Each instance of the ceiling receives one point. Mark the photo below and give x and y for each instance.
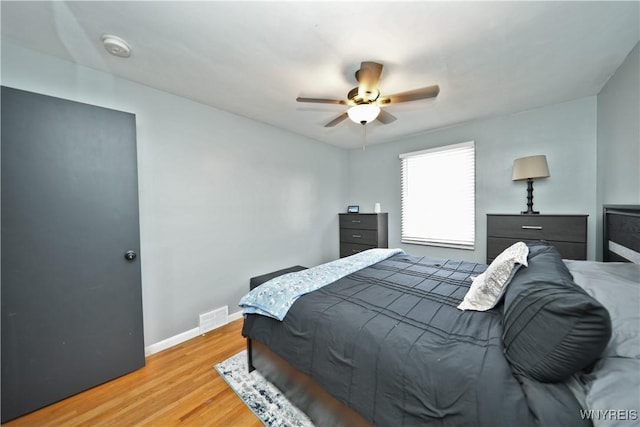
(254, 58)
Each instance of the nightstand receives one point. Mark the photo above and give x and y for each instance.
(568, 233)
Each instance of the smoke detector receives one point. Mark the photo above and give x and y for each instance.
(116, 46)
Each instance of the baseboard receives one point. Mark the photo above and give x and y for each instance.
(182, 337)
(235, 316)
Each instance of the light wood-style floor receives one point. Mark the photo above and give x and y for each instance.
(178, 386)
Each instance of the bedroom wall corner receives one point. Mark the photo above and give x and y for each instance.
(618, 140)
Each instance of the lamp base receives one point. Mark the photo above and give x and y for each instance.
(530, 210)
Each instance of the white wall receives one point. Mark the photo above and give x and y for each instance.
(565, 133)
(619, 134)
(222, 198)
(619, 137)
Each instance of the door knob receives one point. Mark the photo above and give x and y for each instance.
(130, 255)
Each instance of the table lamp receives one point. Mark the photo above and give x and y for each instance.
(530, 168)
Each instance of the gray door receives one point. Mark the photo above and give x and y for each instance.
(71, 301)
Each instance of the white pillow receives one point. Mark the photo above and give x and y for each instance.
(488, 287)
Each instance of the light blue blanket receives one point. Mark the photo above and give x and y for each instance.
(275, 297)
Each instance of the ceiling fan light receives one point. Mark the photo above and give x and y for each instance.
(363, 113)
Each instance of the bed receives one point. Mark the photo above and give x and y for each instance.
(386, 344)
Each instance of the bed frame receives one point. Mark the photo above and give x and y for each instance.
(621, 233)
(621, 225)
(301, 390)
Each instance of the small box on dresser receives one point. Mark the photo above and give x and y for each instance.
(568, 233)
(362, 231)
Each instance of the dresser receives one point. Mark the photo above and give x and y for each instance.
(359, 232)
(568, 233)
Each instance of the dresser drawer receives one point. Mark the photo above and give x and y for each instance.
(568, 250)
(359, 221)
(361, 236)
(565, 228)
(568, 233)
(347, 249)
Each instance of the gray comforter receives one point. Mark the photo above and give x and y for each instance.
(389, 342)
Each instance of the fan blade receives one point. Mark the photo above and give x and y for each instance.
(322, 100)
(337, 120)
(369, 73)
(368, 77)
(386, 118)
(412, 95)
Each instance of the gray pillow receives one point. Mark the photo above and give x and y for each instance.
(552, 327)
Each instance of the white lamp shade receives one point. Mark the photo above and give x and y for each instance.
(363, 113)
(530, 167)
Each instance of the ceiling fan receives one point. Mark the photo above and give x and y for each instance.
(365, 100)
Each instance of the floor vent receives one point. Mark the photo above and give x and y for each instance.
(214, 319)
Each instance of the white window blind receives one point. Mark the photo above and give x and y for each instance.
(438, 196)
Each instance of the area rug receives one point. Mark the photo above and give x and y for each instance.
(262, 397)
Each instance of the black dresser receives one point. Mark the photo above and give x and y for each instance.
(568, 233)
(359, 232)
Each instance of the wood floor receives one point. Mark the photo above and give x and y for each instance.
(178, 386)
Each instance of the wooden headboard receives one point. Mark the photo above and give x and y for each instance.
(621, 227)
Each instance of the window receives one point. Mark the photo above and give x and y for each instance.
(438, 196)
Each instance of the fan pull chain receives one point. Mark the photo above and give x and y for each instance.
(364, 136)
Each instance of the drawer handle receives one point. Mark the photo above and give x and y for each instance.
(355, 221)
(357, 236)
(532, 227)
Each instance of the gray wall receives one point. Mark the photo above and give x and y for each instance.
(565, 133)
(619, 136)
(222, 198)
